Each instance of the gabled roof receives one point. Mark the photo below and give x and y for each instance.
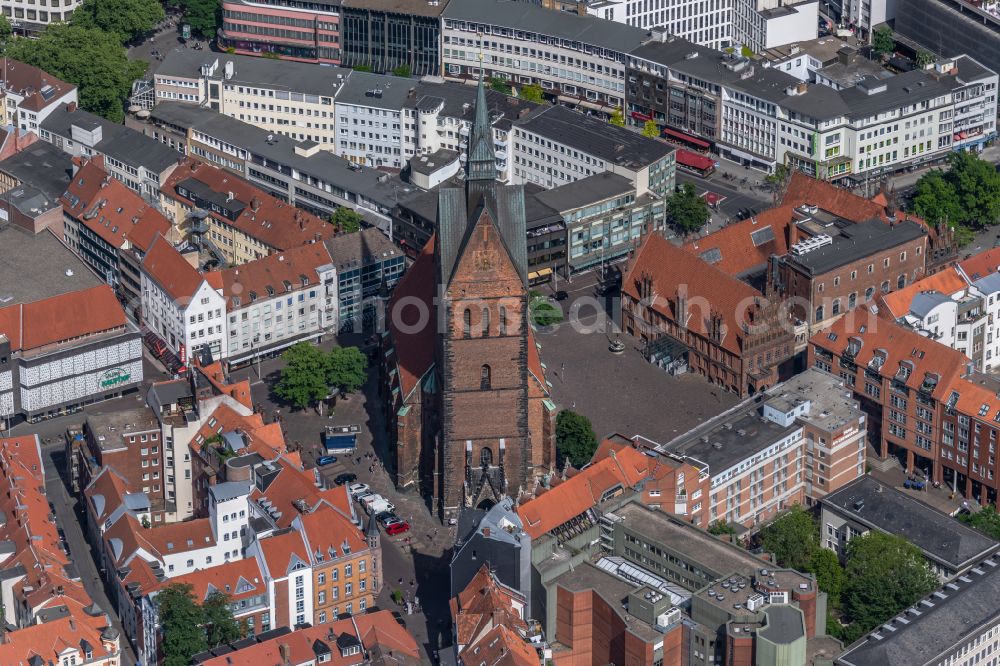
(38, 88)
(60, 318)
(502, 205)
(413, 345)
(283, 553)
(671, 269)
(168, 268)
(947, 282)
(329, 534)
(744, 246)
(582, 492)
(105, 493)
(110, 209)
(803, 190)
(275, 274)
(50, 640)
(982, 264)
(239, 579)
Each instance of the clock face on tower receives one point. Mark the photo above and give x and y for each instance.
(484, 260)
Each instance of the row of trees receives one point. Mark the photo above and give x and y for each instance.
(882, 573)
(190, 627)
(531, 92)
(965, 197)
(310, 374)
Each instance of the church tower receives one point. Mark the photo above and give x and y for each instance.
(484, 446)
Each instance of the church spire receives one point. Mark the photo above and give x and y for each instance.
(481, 164)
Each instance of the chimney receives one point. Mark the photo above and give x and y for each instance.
(286, 654)
(486, 532)
(71, 107)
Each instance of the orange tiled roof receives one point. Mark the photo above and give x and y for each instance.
(265, 218)
(293, 484)
(900, 344)
(105, 492)
(239, 579)
(982, 264)
(671, 269)
(50, 640)
(60, 318)
(271, 274)
(327, 530)
(584, 491)
(282, 551)
(111, 210)
(737, 250)
(168, 268)
(948, 282)
(803, 190)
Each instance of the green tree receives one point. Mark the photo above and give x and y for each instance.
(746, 51)
(403, 70)
(829, 574)
(541, 312)
(128, 19)
(882, 40)
(304, 378)
(531, 93)
(935, 199)
(885, 574)
(217, 618)
(617, 118)
(977, 186)
(88, 57)
(792, 538)
(347, 220)
(181, 623)
(346, 368)
(721, 527)
(500, 85)
(779, 176)
(924, 58)
(5, 29)
(687, 210)
(986, 520)
(203, 16)
(650, 129)
(575, 438)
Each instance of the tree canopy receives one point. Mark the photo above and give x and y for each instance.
(686, 210)
(92, 59)
(575, 438)
(986, 520)
(5, 29)
(347, 220)
(531, 93)
(793, 539)
(966, 196)
(128, 19)
(617, 118)
(402, 70)
(217, 618)
(303, 380)
(346, 368)
(181, 624)
(885, 574)
(829, 574)
(650, 129)
(882, 40)
(500, 85)
(203, 16)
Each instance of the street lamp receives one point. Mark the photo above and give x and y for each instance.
(256, 356)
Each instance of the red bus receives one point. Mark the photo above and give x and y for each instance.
(695, 163)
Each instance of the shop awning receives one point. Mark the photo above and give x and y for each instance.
(540, 273)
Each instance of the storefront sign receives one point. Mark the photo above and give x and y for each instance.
(114, 377)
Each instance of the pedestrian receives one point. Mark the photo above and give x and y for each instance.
(400, 580)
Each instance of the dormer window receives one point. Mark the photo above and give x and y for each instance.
(878, 360)
(905, 369)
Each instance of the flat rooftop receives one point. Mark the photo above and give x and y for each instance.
(38, 266)
(108, 430)
(851, 241)
(42, 166)
(832, 404)
(586, 191)
(886, 509)
(729, 439)
(784, 625)
(697, 546)
(732, 592)
(931, 628)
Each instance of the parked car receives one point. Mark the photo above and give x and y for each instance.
(357, 488)
(560, 295)
(377, 504)
(386, 518)
(346, 477)
(325, 460)
(397, 528)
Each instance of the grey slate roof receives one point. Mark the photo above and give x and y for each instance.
(615, 145)
(989, 284)
(122, 143)
(361, 247)
(43, 166)
(926, 301)
(857, 241)
(459, 98)
(229, 490)
(886, 509)
(784, 624)
(534, 18)
(585, 191)
(934, 626)
(376, 90)
(288, 75)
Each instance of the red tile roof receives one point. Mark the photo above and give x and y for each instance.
(948, 282)
(265, 218)
(327, 530)
(111, 210)
(51, 640)
(62, 318)
(281, 272)
(803, 190)
(171, 271)
(583, 491)
(414, 345)
(377, 631)
(672, 269)
(737, 250)
(239, 579)
(28, 81)
(281, 551)
(982, 264)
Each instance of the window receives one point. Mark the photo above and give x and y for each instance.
(835, 309)
(503, 320)
(901, 282)
(486, 457)
(819, 314)
(486, 322)
(485, 378)
(467, 323)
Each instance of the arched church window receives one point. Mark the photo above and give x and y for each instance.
(486, 322)
(485, 378)
(467, 323)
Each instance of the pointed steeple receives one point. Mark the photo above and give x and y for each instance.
(481, 164)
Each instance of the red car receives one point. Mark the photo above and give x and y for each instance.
(392, 529)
